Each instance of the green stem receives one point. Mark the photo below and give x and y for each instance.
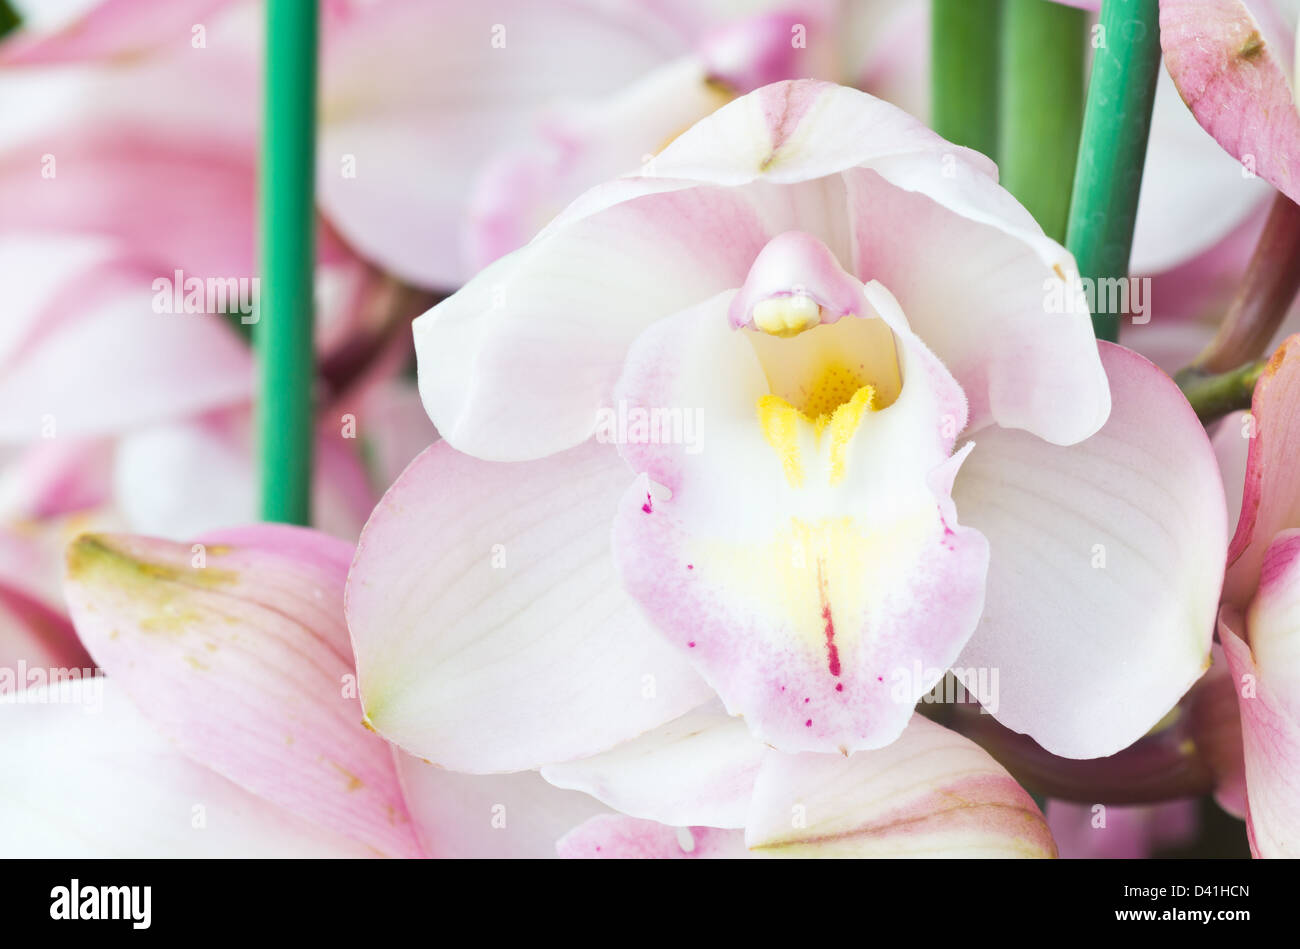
(964, 72)
(1114, 144)
(10, 19)
(1041, 113)
(1214, 396)
(286, 219)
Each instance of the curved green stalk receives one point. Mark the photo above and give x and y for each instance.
(1214, 396)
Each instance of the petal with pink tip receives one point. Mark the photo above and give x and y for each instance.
(1270, 500)
(1232, 70)
(94, 779)
(932, 793)
(490, 628)
(696, 770)
(1105, 566)
(801, 130)
(237, 649)
(615, 837)
(477, 816)
(806, 572)
(1267, 674)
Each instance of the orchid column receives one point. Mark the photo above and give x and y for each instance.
(284, 337)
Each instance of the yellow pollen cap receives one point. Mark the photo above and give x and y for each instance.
(787, 316)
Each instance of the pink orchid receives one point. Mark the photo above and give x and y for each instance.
(857, 316)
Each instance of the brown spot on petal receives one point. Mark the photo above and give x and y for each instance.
(1252, 47)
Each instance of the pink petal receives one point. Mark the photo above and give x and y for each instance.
(1270, 501)
(932, 793)
(1267, 677)
(245, 662)
(490, 628)
(1105, 566)
(1232, 71)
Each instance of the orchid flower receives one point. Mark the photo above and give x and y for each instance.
(903, 462)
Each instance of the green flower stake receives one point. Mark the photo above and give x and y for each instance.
(1113, 147)
(284, 332)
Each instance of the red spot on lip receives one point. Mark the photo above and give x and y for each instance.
(832, 651)
(649, 504)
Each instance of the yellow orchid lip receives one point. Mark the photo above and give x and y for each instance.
(783, 425)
